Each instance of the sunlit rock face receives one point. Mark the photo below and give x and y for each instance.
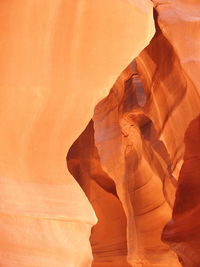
(179, 21)
(139, 153)
(58, 59)
(99, 158)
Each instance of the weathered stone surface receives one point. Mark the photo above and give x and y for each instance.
(135, 167)
(58, 59)
(179, 21)
(182, 232)
(138, 141)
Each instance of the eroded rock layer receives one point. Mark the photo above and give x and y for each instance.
(129, 157)
(180, 21)
(182, 232)
(57, 60)
(136, 162)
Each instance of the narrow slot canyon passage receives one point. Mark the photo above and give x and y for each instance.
(129, 158)
(99, 139)
(120, 163)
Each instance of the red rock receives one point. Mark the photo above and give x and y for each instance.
(58, 59)
(139, 135)
(131, 139)
(182, 232)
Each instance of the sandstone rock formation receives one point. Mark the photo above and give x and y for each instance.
(58, 59)
(136, 139)
(182, 232)
(89, 83)
(179, 21)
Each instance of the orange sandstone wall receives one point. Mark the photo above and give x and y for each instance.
(137, 134)
(90, 81)
(58, 58)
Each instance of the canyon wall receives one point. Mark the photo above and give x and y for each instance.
(132, 160)
(58, 59)
(99, 133)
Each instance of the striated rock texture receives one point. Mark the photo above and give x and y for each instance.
(131, 139)
(182, 232)
(180, 21)
(129, 157)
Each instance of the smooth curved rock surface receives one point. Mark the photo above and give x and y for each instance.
(123, 138)
(58, 59)
(179, 21)
(182, 232)
(138, 137)
(131, 139)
